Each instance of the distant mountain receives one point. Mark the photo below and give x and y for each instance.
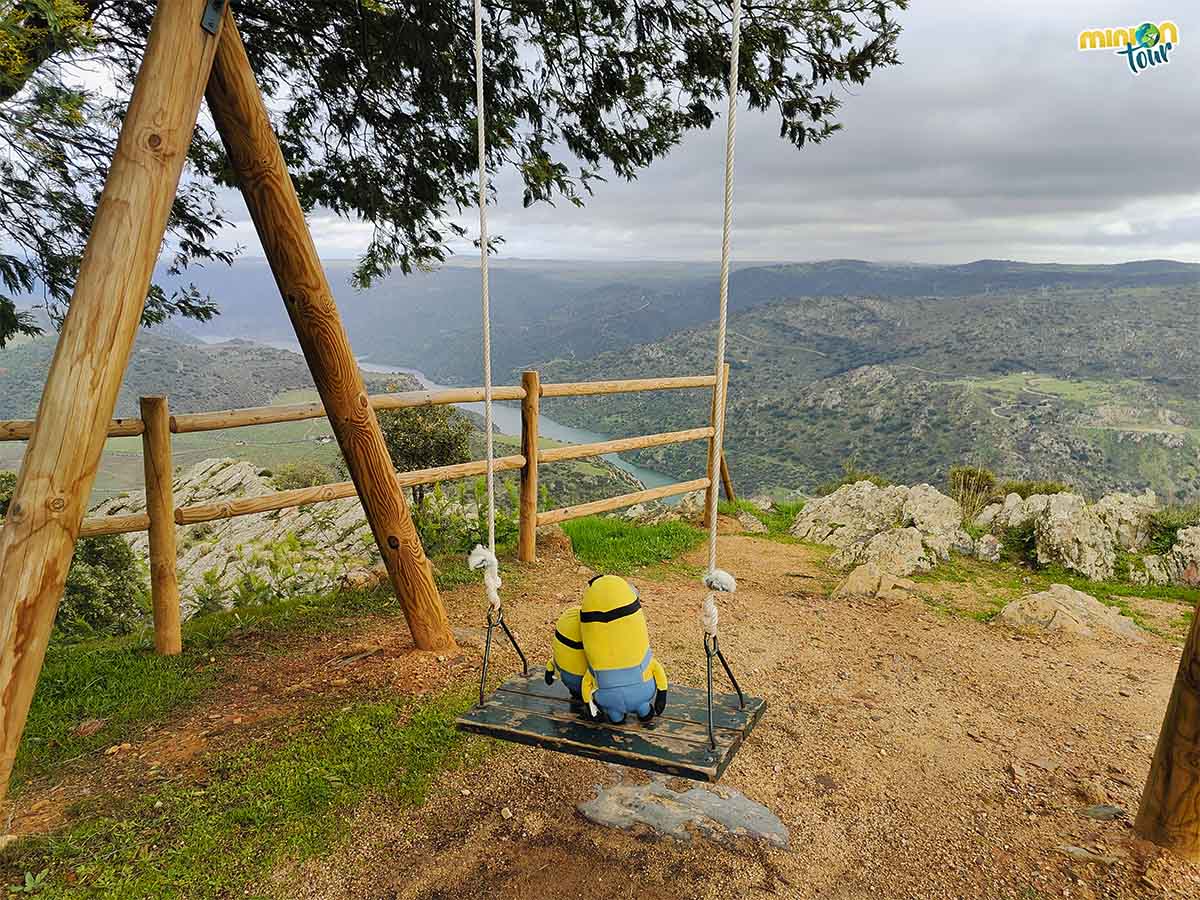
(574, 311)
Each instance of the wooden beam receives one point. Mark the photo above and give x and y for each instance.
(22, 429)
(323, 493)
(600, 506)
(100, 525)
(717, 397)
(241, 118)
(59, 467)
(160, 507)
(629, 385)
(726, 481)
(297, 412)
(1170, 809)
(527, 521)
(620, 445)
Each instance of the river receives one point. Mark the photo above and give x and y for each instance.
(506, 416)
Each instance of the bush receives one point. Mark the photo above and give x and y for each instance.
(1018, 543)
(301, 474)
(8, 481)
(973, 487)
(1166, 523)
(851, 475)
(447, 523)
(106, 591)
(1027, 488)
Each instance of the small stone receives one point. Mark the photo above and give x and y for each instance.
(6, 839)
(506, 813)
(1125, 692)
(465, 792)
(1102, 812)
(339, 682)
(158, 804)
(1085, 855)
(441, 659)
(1091, 791)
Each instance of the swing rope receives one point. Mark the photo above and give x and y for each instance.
(485, 557)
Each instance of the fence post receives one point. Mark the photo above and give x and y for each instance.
(726, 481)
(530, 407)
(712, 475)
(160, 507)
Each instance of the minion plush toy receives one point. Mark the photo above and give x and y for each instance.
(568, 661)
(622, 676)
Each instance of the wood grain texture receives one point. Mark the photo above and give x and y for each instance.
(709, 468)
(1170, 808)
(93, 348)
(620, 445)
(160, 507)
(114, 525)
(22, 429)
(630, 385)
(611, 503)
(322, 493)
(527, 521)
(256, 159)
(297, 412)
(726, 480)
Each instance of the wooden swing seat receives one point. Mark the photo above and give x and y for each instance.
(526, 710)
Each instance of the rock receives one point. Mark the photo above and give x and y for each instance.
(691, 506)
(751, 523)
(987, 515)
(870, 580)
(308, 549)
(987, 548)
(1015, 512)
(765, 502)
(1102, 812)
(1062, 608)
(1085, 855)
(682, 815)
(1127, 518)
(938, 518)
(901, 551)
(506, 813)
(853, 514)
(1179, 566)
(1072, 535)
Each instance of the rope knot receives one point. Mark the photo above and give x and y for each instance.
(720, 580)
(483, 558)
(709, 615)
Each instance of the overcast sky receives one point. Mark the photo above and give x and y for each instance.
(995, 138)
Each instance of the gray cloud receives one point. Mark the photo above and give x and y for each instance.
(995, 138)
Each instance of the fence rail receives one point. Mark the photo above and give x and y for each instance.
(162, 515)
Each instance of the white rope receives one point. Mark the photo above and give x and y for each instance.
(483, 558)
(716, 579)
(483, 278)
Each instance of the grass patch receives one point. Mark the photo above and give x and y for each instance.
(1166, 523)
(259, 806)
(778, 518)
(123, 683)
(618, 547)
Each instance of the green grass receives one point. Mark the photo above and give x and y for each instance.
(122, 682)
(257, 806)
(778, 519)
(618, 547)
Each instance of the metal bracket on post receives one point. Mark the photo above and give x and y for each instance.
(211, 20)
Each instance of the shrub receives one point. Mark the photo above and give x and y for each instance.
(1166, 523)
(1027, 488)
(106, 591)
(851, 474)
(973, 487)
(423, 437)
(301, 474)
(448, 524)
(8, 481)
(1018, 543)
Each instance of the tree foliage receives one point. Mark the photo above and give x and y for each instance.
(423, 437)
(373, 101)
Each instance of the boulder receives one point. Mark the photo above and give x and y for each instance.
(939, 520)
(691, 506)
(751, 523)
(1127, 518)
(871, 580)
(1064, 609)
(1071, 534)
(987, 515)
(1180, 566)
(1015, 512)
(987, 548)
(901, 551)
(852, 514)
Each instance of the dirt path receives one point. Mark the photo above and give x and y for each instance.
(911, 754)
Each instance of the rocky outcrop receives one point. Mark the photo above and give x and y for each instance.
(1064, 609)
(751, 523)
(1127, 518)
(307, 549)
(1071, 534)
(901, 529)
(1180, 566)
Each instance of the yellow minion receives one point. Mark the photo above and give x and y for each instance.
(622, 676)
(568, 661)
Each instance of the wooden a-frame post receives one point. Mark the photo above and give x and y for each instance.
(37, 540)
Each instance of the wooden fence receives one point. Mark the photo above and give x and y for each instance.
(156, 425)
